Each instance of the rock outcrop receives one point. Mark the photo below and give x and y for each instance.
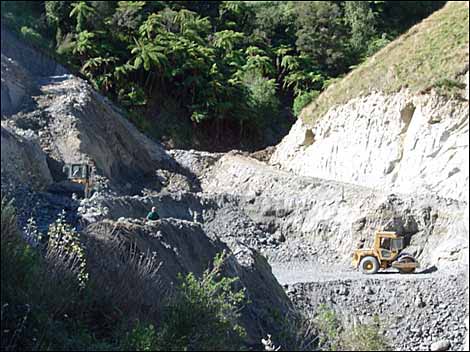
(399, 143)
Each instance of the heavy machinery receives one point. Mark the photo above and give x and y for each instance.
(386, 252)
(80, 173)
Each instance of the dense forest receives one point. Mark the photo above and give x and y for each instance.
(213, 74)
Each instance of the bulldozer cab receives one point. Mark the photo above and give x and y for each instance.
(77, 172)
(387, 245)
(80, 173)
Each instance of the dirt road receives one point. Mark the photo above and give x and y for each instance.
(304, 272)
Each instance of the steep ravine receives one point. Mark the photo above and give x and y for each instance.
(394, 161)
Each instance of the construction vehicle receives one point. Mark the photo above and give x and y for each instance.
(80, 173)
(386, 252)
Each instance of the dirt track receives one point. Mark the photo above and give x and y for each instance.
(304, 272)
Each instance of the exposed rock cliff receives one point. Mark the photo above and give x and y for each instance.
(400, 143)
(399, 122)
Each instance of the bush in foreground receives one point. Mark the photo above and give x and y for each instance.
(52, 300)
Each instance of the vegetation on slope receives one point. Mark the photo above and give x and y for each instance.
(213, 74)
(432, 54)
(52, 300)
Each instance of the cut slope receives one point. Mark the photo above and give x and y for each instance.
(71, 121)
(433, 53)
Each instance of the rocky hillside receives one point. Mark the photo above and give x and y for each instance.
(369, 153)
(70, 121)
(51, 118)
(398, 122)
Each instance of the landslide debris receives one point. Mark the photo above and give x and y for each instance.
(57, 119)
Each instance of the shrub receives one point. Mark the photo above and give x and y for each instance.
(38, 295)
(204, 313)
(33, 36)
(329, 328)
(65, 252)
(365, 337)
(8, 228)
(141, 338)
(297, 332)
(124, 285)
(376, 44)
(335, 335)
(303, 99)
(449, 88)
(16, 272)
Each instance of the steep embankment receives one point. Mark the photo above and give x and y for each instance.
(71, 122)
(52, 118)
(398, 122)
(182, 247)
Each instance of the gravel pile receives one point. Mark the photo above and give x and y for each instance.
(417, 313)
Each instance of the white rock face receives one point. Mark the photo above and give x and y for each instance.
(329, 219)
(400, 143)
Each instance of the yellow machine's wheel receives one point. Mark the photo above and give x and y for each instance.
(406, 270)
(369, 265)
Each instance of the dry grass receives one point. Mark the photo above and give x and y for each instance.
(430, 55)
(126, 279)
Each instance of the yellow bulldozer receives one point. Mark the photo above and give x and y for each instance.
(80, 173)
(386, 252)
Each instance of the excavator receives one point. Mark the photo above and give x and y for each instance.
(386, 252)
(80, 173)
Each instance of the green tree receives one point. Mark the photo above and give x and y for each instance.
(147, 55)
(227, 40)
(322, 35)
(81, 11)
(57, 15)
(84, 43)
(359, 16)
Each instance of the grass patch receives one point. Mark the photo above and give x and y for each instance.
(335, 335)
(430, 55)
